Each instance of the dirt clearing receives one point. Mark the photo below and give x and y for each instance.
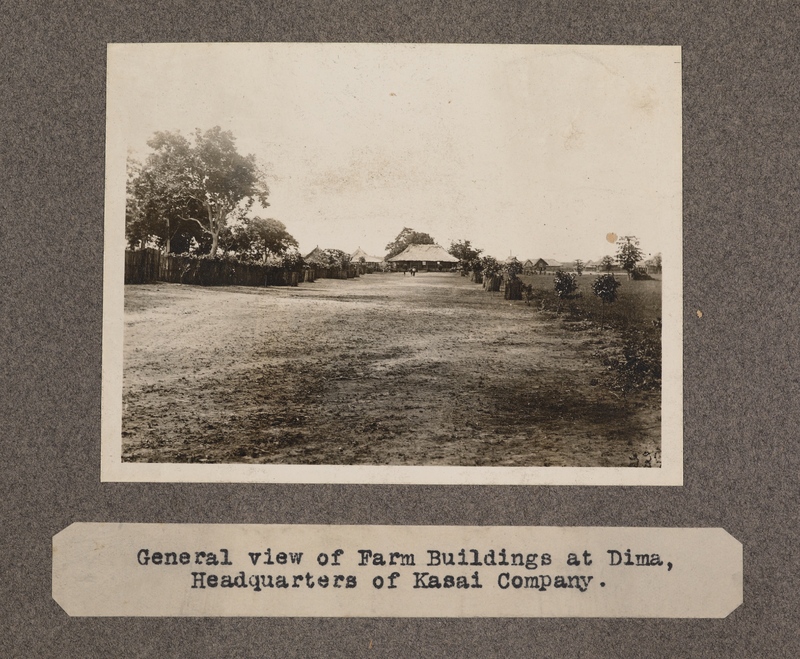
(380, 370)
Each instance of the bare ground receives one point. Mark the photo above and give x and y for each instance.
(385, 369)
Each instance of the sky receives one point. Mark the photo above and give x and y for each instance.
(531, 151)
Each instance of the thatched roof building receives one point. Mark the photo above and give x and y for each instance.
(314, 255)
(356, 256)
(425, 257)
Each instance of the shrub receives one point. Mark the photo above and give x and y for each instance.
(628, 253)
(565, 284)
(292, 260)
(605, 287)
(638, 364)
(489, 266)
(512, 268)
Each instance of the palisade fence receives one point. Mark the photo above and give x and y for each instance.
(144, 266)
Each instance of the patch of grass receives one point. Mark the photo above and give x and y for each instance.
(638, 303)
(636, 315)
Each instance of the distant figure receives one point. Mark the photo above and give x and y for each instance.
(413, 272)
(405, 270)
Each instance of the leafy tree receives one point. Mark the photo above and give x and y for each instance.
(340, 258)
(490, 267)
(207, 183)
(467, 255)
(291, 259)
(512, 268)
(657, 262)
(153, 212)
(475, 267)
(490, 271)
(605, 287)
(628, 253)
(137, 231)
(565, 285)
(405, 238)
(331, 258)
(607, 263)
(257, 238)
(579, 266)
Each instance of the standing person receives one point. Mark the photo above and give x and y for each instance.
(405, 269)
(413, 272)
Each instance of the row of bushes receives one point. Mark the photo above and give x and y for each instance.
(597, 301)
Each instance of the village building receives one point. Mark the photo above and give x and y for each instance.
(541, 266)
(315, 256)
(427, 258)
(356, 257)
(652, 265)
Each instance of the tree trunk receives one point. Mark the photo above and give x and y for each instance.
(169, 237)
(214, 226)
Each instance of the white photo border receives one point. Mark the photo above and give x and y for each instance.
(113, 469)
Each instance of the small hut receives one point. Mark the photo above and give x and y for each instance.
(356, 257)
(315, 256)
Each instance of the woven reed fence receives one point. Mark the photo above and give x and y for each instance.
(149, 265)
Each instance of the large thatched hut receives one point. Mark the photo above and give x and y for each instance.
(428, 258)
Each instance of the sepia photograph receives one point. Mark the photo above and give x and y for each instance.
(393, 263)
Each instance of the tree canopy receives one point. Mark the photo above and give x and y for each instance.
(512, 268)
(257, 238)
(469, 257)
(605, 287)
(329, 258)
(405, 238)
(628, 253)
(204, 183)
(155, 211)
(657, 262)
(565, 284)
(490, 267)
